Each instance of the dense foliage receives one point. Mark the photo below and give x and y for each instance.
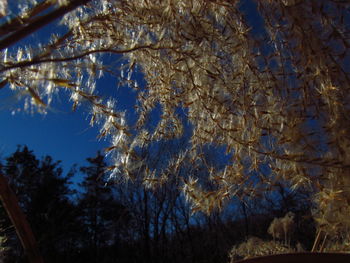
(267, 81)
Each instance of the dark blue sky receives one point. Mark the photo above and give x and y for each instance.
(62, 133)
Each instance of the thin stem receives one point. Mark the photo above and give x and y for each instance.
(28, 63)
(19, 221)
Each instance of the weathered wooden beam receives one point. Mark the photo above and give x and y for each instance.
(18, 219)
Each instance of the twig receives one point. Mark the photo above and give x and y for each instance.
(317, 241)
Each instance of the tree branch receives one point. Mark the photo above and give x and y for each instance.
(19, 22)
(32, 62)
(39, 23)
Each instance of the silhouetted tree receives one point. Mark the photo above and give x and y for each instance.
(43, 194)
(101, 214)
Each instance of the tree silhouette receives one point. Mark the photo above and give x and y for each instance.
(43, 193)
(100, 211)
(268, 81)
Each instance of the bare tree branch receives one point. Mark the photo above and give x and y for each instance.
(39, 23)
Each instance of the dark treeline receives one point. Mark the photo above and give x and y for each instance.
(101, 221)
